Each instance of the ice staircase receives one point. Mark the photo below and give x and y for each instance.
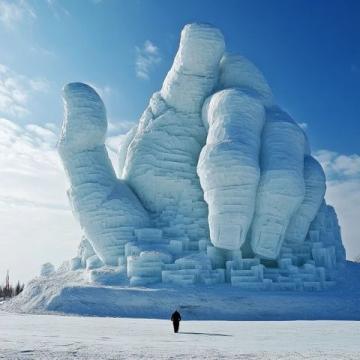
(192, 269)
(170, 256)
(191, 266)
(247, 274)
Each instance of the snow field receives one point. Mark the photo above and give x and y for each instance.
(62, 337)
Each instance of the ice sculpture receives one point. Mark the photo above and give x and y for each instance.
(217, 183)
(47, 269)
(108, 210)
(281, 188)
(228, 166)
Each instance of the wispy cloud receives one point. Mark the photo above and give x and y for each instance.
(147, 56)
(39, 50)
(103, 90)
(57, 9)
(13, 12)
(339, 166)
(343, 191)
(15, 91)
(29, 165)
(303, 125)
(117, 131)
(34, 213)
(30, 168)
(118, 127)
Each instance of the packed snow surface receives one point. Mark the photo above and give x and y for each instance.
(73, 292)
(61, 337)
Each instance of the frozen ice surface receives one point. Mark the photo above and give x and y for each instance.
(216, 184)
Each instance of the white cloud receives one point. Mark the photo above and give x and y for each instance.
(13, 12)
(39, 50)
(39, 85)
(36, 221)
(45, 135)
(53, 127)
(30, 170)
(117, 131)
(113, 144)
(16, 90)
(57, 9)
(119, 127)
(343, 191)
(147, 57)
(338, 165)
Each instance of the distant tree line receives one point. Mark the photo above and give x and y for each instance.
(8, 290)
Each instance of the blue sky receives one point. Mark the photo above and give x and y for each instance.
(308, 51)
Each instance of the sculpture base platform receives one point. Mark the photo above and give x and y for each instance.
(69, 293)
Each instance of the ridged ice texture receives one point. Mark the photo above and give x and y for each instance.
(124, 145)
(238, 72)
(195, 69)
(215, 181)
(315, 188)
(162, 157)
(281, 189)
(106, 207)
(85, 250)
(47, 269)
(325, 229)
(228, 166)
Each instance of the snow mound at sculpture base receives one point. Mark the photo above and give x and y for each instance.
(71, 292)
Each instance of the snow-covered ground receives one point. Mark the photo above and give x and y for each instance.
(63, 337)
(70, 292)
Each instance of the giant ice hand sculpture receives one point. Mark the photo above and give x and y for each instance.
(214, 170)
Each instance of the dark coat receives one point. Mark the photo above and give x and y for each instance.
(175, 317)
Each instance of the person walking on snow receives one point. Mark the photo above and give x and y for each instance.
(176, 318)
